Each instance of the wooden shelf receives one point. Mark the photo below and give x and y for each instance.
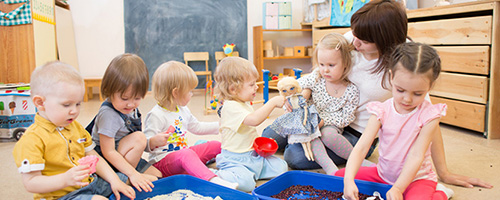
(286, 57)
(258, 43)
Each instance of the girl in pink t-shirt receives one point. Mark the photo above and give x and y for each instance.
(405, 124)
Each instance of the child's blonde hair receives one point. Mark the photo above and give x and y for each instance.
(289, 81)
(124, 71)
(231, 74)
(44, 79)
(169, 76)
(339, 43)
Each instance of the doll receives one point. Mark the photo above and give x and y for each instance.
(300, 125)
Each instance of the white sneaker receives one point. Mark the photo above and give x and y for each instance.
(449, 192)
(224, 183)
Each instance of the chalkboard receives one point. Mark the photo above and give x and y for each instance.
(162, 30)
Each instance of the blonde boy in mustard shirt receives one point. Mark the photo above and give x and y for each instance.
(47, 155)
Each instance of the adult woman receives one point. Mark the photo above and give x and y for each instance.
(377, 28)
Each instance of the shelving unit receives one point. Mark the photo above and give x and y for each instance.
(258, 45)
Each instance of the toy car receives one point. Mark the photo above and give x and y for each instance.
(17, 112)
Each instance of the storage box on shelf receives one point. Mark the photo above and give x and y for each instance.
(260, 44)
(467, 38)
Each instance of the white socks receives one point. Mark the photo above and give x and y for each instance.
(449, 192)
(223, 182)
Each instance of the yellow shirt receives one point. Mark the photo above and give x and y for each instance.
(52, 150)
(236, 137)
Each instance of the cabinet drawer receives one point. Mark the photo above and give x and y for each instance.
(463, 114)
(463, 87)
(470, 30)
(465, 59)
(318, 34)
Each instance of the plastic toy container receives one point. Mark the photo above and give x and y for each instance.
(265, 146)
(318, 181)
(172, 183)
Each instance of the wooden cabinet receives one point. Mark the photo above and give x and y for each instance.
(23, 47)
(467, 39)
(258, 45)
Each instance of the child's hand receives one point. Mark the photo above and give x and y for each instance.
(75, 175)
(158, 140)
(351, 191)
(394, 194)
(277, 101)
(140, 182)
(120, 187)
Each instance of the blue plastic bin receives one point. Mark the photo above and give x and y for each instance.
(172, 183)
(318, 181)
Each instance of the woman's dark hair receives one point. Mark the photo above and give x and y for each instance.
(383, 22)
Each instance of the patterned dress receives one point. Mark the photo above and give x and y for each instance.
(291, 124)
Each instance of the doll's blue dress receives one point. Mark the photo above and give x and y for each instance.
(291, 124)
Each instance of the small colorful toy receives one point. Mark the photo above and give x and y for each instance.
(213, 103)
(91, 161)
(228, 49)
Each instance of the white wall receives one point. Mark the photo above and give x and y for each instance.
(99, 33)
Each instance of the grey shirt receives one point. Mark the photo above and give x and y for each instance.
(109, 123)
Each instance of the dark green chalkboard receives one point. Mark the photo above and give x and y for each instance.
(162, 30)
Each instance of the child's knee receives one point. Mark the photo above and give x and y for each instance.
(246, 183)
(138, 138)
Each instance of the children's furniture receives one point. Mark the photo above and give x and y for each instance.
(467, 38)
(202, 56)
(219, 55)
(258, 45)
(26, 46)
(89, 83)
(199, 56)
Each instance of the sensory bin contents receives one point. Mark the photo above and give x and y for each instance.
(311, 193)
(183, 194)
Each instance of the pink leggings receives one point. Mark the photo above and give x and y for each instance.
(190, 161)
(419, 189)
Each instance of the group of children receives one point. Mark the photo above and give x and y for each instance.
(48, 153)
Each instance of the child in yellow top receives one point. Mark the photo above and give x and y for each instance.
(238, 162)
(48, 153)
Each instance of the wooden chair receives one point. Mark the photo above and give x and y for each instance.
(199, 56)
(219, 55)
(89, 83)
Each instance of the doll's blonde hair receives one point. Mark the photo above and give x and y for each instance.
(289, 81)
(339, 43)
(45, 78)
(169, 76)
(230, 76)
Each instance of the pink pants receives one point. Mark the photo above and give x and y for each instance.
(420, 189)
(190, 161)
